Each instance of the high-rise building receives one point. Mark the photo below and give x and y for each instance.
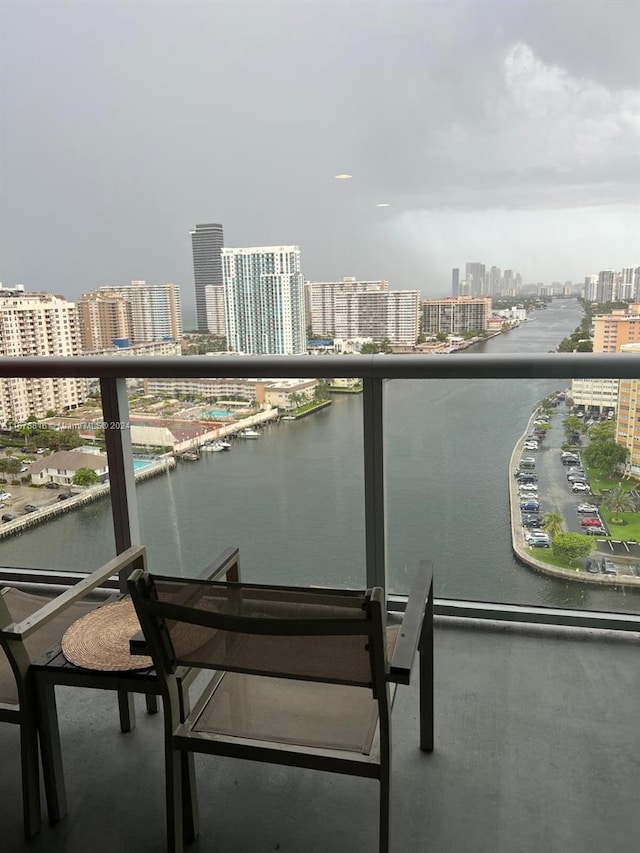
(324, 295)
(455, 316)
(378, 314)
(455, 281)
(207, 242)
(264, 300)
(606, 291)
(613, 330)
(103, 318)
(494, 282)
(37, 324)
(156, 312)
(475, 273)
(215, 310)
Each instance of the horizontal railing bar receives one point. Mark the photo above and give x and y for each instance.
(13, 575)
(455, 366)
(527, 613)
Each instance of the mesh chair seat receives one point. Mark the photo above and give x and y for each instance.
(22, 605)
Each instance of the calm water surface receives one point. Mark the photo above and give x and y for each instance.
(292, 500)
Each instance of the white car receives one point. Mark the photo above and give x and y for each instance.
(531, 445)
(5, 496)
(528, 487)
(535, 534)
(588, 509)
(580, 487)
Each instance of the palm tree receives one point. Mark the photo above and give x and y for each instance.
(553, 523)
(618, 501)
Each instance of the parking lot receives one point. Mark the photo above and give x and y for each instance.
(555, 494)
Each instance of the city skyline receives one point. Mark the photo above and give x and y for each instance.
(502, 133)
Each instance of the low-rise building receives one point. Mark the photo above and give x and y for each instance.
(62, 466)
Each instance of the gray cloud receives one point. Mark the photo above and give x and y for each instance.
(125, 123)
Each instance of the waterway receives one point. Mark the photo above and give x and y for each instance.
(293, 499)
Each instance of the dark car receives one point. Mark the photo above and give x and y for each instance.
(52, 485)
(526, 477)
(595, 531)
(8, 517)
(530, 506)
(592, 567)
(607, 567)
(63, 496)
(531, 521)
(577, 478)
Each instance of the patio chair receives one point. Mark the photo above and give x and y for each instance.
(29, 625)
(300, 677)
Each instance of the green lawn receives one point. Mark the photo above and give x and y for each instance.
(546, 555)
(629, 530)
(600, 480)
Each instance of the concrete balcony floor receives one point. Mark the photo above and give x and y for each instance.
(537, 748)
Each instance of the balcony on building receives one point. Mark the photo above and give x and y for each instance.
(537, 741)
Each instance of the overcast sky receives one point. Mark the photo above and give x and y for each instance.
(500, 131)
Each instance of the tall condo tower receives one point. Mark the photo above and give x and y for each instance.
(206, 243)
(264, 300)
(455, 281)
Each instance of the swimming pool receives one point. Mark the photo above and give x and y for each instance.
(216, 413)
(140, 463)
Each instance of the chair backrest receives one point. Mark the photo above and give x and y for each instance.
(334, 636)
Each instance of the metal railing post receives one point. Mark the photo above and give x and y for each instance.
(117, 434)
(374, 483)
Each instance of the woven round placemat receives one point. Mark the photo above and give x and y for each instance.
(100, 639)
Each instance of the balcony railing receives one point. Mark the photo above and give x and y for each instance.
(374, 371)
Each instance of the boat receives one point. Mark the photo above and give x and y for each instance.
(222, 444)
(249, 433)
(288, 418)
(191, 456)
(214, 447)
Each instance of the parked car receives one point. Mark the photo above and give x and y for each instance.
(540, 542)
(5, 496)
(8, 517)
(530, 506)
(595, 531)
(579, 487)
(31, 508)
(532, 521)
(528, 487)
(52, 485)
(590, 522)
(636, 570)
(526, 477)
(592, 567)
(531, 445)
(64, 495)
(587, 509)
(607, 567)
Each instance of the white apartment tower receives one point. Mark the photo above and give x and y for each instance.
(325, 295)
(264, 300)
(156, 312)
(378, 314)
(44, 325)
(214, 300)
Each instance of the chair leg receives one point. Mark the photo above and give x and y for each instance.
(127, 711)
(30, 774)
(152, 703)
(425, 662)
(190, 815)
(51, 753)
(174, 787)
(385, 785)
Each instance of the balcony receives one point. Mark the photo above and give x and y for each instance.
(537, 739)
(537, 744)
